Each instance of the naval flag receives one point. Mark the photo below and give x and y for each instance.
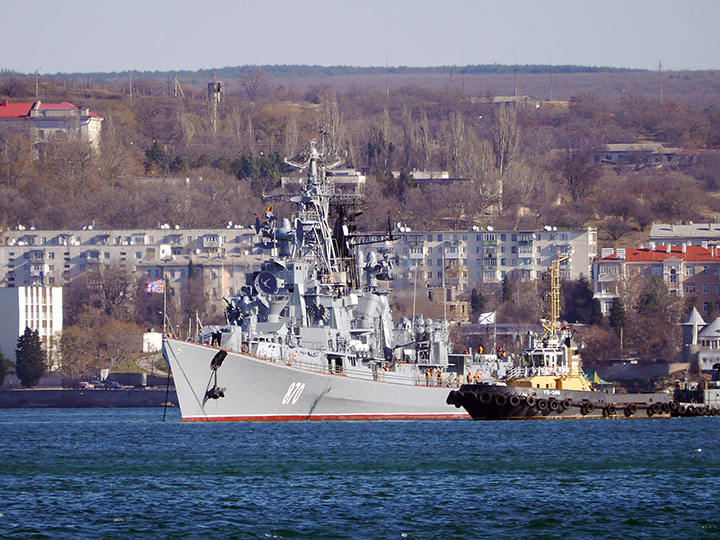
(487, 318)
(155, 287)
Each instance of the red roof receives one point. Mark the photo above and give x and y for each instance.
(21, 110)
(57, 106)
(14, 110)
(660, 253)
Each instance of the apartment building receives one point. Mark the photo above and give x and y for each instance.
(453, 261)
(36, 307)
(55, 258)
(467, 259)
(686, 270)
(692, 234)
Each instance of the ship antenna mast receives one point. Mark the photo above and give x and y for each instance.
(550, 326)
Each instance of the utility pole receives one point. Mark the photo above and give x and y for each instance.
(660, 81)
(178, 89)
(37, 83)
(551, 74)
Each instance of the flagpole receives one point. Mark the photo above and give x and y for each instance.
(164, 307)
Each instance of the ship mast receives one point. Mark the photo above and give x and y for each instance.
(550, 326)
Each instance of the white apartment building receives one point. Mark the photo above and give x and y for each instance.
(455, 260)
(220, 257)
(36, 307)
(692, 234)
(465, 259)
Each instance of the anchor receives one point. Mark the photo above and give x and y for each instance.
(216, 392)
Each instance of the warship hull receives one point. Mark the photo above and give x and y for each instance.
(499, 402)
(257, 389)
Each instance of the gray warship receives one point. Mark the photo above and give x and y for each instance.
(311, 336)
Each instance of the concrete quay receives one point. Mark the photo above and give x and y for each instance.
(83, 398)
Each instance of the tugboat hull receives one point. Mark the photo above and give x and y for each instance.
(497, 402)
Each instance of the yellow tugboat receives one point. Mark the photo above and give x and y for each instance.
(549, 383)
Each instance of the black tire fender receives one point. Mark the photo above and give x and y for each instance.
(500, 400)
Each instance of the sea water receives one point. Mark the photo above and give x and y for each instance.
(124, 473)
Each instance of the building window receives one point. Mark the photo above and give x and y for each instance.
(690, 271)
(706, 307)
(706, 288)
(689, 289)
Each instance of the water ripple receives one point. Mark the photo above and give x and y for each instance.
(126, 474)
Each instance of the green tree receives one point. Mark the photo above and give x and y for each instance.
(4, 368)
(477, 302)
(157, 159)
(580, 306)
(617, 316)
(29, 359)
(507, 289)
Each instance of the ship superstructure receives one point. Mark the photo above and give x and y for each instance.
(311, 335)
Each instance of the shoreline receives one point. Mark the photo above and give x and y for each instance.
(39, 398)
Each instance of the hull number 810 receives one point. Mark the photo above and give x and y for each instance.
(293, 393)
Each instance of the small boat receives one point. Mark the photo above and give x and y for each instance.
(548, 382)
(702, 399)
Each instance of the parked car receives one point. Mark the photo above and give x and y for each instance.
(111, 384)
(84, 385)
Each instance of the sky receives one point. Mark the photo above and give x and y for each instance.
(160, 35)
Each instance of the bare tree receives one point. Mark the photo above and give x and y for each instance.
(332, 125)
(291, 136)
(254, 81)
(506, 137)
(575, 167)
(15, 154)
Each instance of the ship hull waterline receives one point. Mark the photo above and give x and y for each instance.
(260, 390)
